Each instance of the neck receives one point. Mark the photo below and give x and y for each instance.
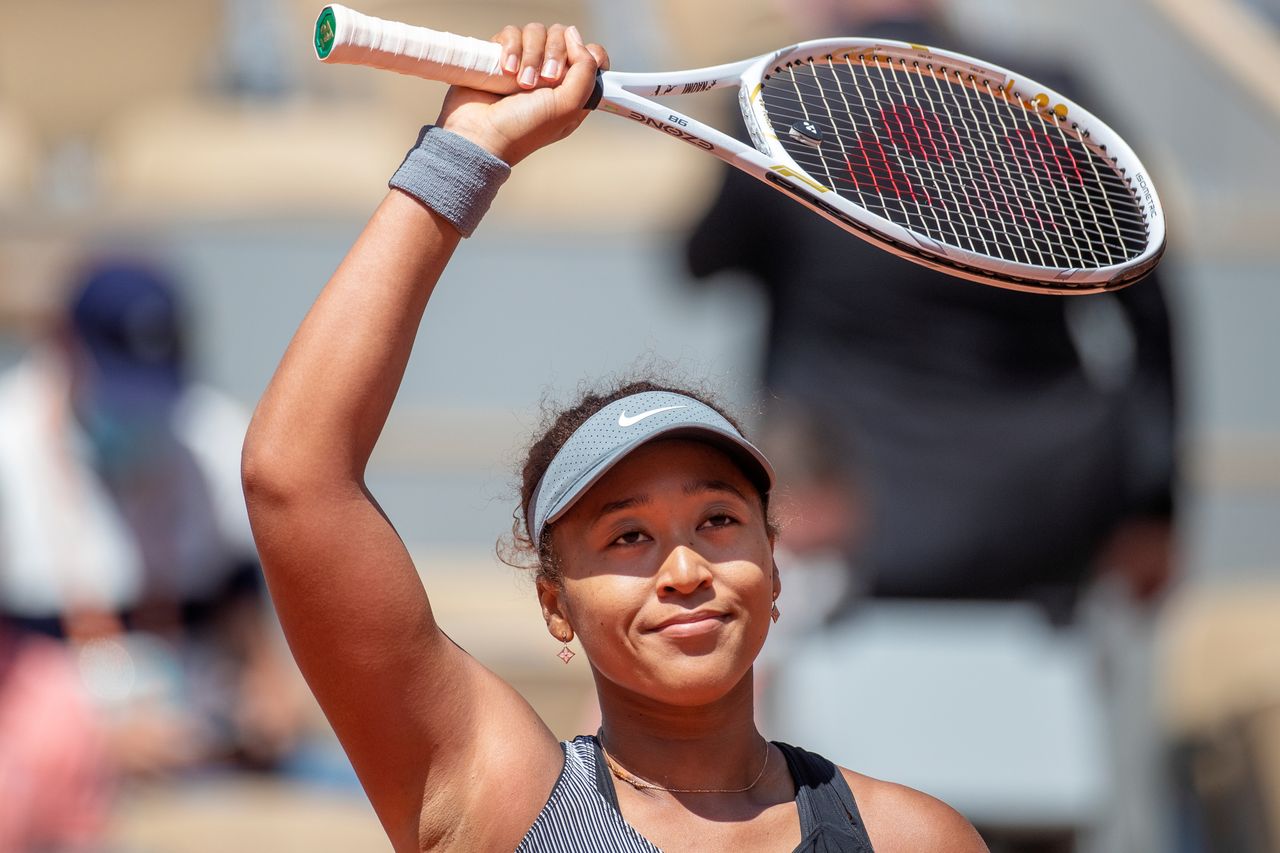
(708, 746)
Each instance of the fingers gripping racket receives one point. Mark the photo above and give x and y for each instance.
(938, 157)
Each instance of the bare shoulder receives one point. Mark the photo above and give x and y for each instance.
(899, 818)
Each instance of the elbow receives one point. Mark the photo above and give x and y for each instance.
(272, 471)
(278, 473)
(262, 476)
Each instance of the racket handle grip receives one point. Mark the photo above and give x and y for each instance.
(346, 37)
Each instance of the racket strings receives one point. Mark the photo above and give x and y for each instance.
(958, 161)
(1060, 164)
(1016, 137)
(1020, 196)
(884, 172)
(932, 144)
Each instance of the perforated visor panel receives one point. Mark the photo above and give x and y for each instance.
(956, 159)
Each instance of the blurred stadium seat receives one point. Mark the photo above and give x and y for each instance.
(612, 178)
(1221, 681)
(35, 263)
(19, 159)
(138, 113)
(328, 148)
(69, 66)
(225, 157)
(711, 32)
(242, 814)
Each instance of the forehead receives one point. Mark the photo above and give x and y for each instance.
(664, 463)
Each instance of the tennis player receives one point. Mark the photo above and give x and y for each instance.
(646, 511)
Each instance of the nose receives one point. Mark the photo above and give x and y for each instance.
(683, 572)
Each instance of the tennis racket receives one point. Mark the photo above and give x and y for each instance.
(940, 158)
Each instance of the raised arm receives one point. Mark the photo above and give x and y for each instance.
(413, 711)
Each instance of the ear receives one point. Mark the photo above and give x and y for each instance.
(551, 597)
(777, 581)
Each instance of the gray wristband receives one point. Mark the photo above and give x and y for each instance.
(451, 175)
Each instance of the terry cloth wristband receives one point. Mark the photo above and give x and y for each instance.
(451, 175)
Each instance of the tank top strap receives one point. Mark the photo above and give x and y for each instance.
(581, 813)
(829, 817)
(603, 780)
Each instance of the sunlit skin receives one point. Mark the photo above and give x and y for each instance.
(668, 576)
(668, 583)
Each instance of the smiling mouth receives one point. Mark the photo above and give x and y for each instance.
(692, 625)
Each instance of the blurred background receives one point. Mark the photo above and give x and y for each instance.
(192, 158)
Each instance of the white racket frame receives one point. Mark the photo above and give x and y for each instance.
(417, 51)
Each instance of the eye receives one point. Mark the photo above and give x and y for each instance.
(719, 520)
(631, 537)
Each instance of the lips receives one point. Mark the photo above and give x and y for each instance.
(691, 624)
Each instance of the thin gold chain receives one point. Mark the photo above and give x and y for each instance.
(636, 782)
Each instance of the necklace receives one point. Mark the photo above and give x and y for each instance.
(636, 782)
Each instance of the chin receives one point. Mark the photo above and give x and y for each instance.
(686, 674)
(696, 681)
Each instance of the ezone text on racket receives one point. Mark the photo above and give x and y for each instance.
(668, 129)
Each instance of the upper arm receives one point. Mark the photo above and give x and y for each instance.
(430, 731)
(411, 709)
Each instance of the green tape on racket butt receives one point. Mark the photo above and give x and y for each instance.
(347, 37)
(326, 31)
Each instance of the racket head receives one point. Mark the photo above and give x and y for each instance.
(955, 163)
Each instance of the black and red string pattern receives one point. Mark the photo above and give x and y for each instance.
(958, 160)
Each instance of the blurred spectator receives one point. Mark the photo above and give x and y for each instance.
(54, 781)
(122, 530)
(976, 443)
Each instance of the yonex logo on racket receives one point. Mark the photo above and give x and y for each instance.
(806, 133)
(625, 421)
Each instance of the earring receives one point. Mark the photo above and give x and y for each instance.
(566, 654)
(775, 614)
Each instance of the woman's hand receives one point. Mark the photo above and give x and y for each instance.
(556, 71)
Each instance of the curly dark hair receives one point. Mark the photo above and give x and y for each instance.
(517, 549)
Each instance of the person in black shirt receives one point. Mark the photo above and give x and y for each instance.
(1003, 452)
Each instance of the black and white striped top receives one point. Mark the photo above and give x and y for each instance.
(582, 812)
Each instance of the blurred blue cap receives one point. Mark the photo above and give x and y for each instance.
(126, 315)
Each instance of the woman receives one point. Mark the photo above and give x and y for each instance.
(647, 512)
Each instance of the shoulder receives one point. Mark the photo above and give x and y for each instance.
(899, 818)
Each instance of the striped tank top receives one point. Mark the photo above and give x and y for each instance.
(582, 814)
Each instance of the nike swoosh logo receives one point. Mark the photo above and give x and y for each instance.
(624, 421)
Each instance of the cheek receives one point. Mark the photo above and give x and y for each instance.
(758, 592)
(753, 587)
(603, 608)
